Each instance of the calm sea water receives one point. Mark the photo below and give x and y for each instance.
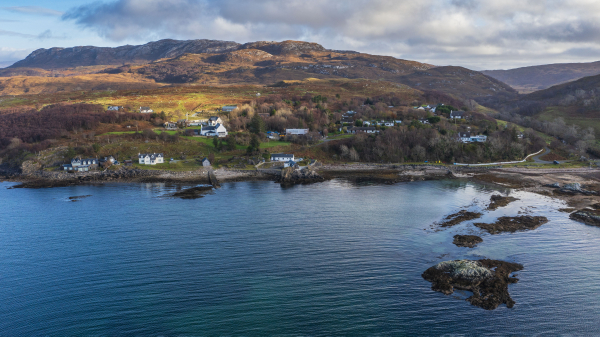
(256, 259)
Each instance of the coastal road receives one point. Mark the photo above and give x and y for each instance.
(538, 160)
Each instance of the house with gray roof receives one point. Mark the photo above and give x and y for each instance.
(151, 158)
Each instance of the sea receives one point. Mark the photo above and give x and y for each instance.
(258, 259)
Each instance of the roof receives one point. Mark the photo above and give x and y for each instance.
(457, 113)
(213, 118)
(151, 155)
(145, 108)
(282, 155)
(205, 159)
(464, 134)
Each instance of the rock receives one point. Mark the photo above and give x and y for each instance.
(193, 193)
(500, 201)
(78, 198)
(461, 216)
(470, 241)
(554, 185)
(513, 224)
(487, 279)
(291, 176)
(572, 187)
(587, 216)
(212, 178)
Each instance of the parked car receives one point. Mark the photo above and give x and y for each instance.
(556, 162)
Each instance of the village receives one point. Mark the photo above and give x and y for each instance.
(215, 124)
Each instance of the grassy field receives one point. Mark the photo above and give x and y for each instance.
(571, 117)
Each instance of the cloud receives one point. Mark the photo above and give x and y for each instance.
(33, 10)
(464, 32)
(14, 34)
(8, 56)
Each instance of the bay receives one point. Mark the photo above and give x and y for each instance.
(253, 258)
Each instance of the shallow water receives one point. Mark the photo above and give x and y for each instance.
(255, 258)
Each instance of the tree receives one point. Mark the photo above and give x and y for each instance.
(231, 143)
(70, 153)
(211, 158)
(257, 125)
(254, 144)
(434, 119)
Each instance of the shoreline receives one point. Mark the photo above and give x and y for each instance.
(538, 181)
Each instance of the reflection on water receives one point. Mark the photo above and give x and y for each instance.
(256, 258)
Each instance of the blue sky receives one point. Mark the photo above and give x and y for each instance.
(477, 34)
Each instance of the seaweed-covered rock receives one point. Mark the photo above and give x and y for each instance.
(513, 224)
(587, 216)
(460, 216)
(500, 201)
(470, 241)
(487, 279)
(194, 192)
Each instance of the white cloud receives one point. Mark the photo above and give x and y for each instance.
(474, 33)
(8, 56)
(35, 10)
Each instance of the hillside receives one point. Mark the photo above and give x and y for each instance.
(576, 102)
(210, 62)
(529, 79)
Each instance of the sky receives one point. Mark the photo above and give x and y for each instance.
(477, 34)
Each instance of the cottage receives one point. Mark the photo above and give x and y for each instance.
(114, 108)
(197, 122)
(296, 131)
(282, 157)
(146, 110)
(214, 120)
(366, 123)
(229, 108)
(457, 114)
(151, 158)
(466, 137)
(388, 123)
(397, 121)
(205, 162)
(81, 165)
(212, 131)
(350, 112)
(424, 121)
(170, 126)
(363, 129)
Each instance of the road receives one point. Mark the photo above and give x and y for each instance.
(538, 160)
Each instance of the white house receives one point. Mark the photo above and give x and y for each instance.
(397, 121)
(114, 108)
(282, 157)
(388, 123)
(366, 123)
(296, 131)
(151, 158)
(214, 120)
(424, 121)
(466, 137)
(213, 131)
(290, 163)
(146, 110)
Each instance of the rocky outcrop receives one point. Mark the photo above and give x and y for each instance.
(500, 201)
(587, 216)
(459, 217)
(487, 279)
(513, 224)
(469, 241)
(292, 176)
(194, 192)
